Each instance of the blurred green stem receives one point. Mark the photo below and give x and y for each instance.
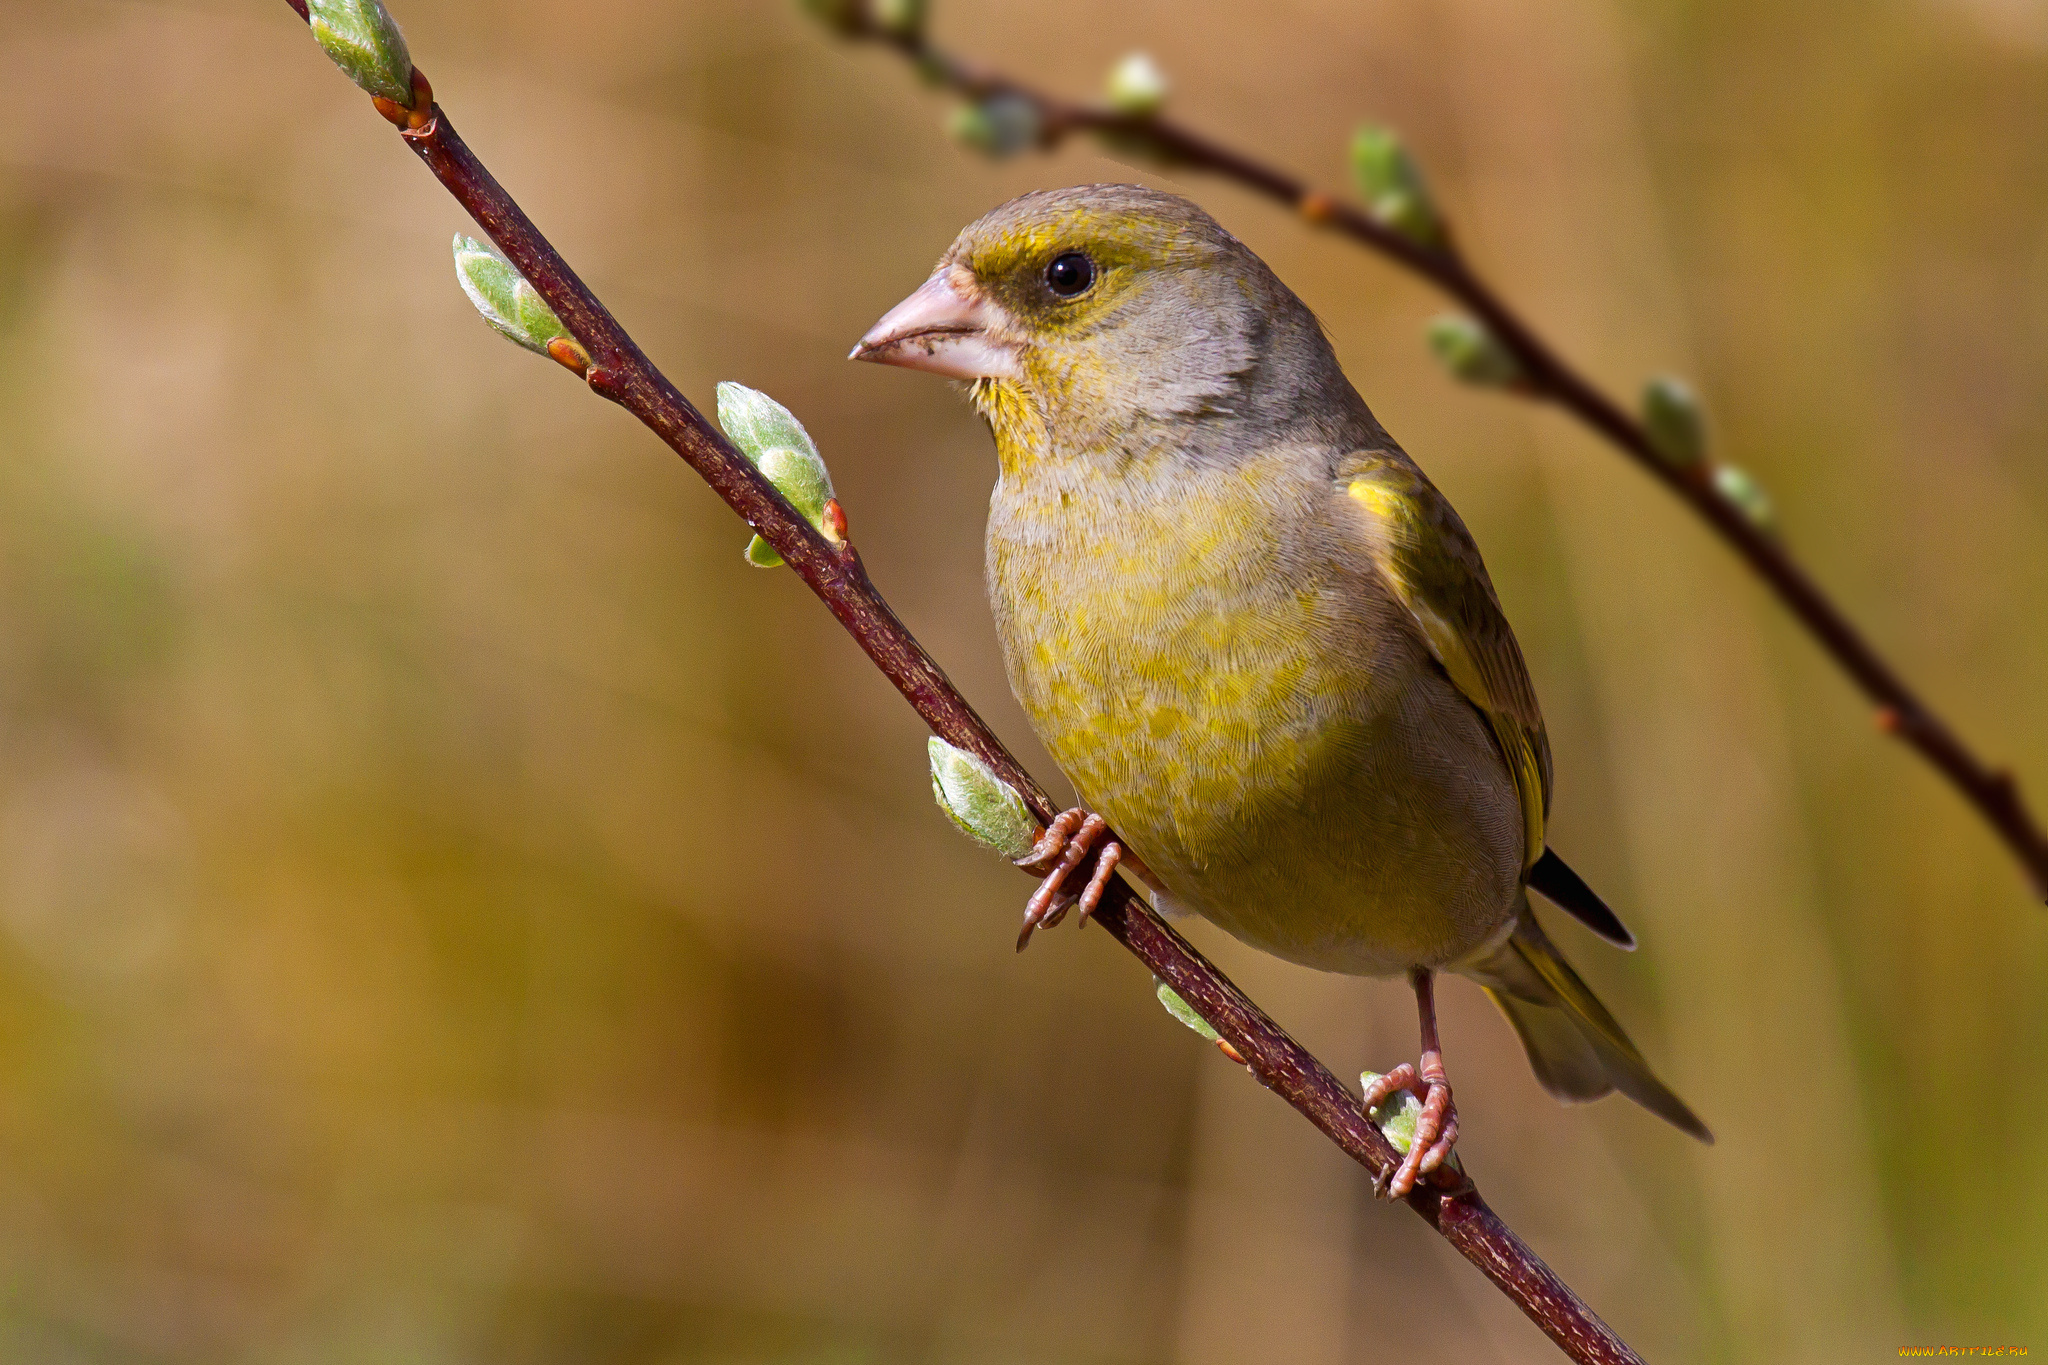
(620, 371)
(1544, 375)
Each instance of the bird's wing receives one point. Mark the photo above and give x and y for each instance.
(1427, 558)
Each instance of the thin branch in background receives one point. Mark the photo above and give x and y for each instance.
(615, 367)
(1005, 114)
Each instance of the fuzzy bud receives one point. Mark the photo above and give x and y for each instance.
(1674, 423)
(1392, 185)
(987, 809)
(1739, 488)
(905, 18)
(512, 306)
(768, 434)
(1137, 86)
(363, 40)
(1472, 353)
(1183, 1011)
(999, 126)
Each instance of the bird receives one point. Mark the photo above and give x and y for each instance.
(1255, 637)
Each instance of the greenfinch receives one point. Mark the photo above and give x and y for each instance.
(1252, 633)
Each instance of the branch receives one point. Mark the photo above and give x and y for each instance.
(615, 368)
(1540, 373)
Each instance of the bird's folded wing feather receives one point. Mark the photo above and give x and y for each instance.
(1427, 558)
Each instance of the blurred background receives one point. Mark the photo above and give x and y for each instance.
(452, 910)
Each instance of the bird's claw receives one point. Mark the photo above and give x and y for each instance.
(1436, 1127)
(1064, 846)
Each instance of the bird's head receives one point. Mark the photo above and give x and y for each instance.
(1090, 313)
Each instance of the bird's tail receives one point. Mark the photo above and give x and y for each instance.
(1577, 1049)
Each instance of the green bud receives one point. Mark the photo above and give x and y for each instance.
(1739, 488)
(1392, 185)
(1396, 1116)
(1674, 423)
(365, 43)
(902, 17)
(999, 126)
(801, 476)
(1472, 353)
(1137, 86)
(969, 125)
(758, 424)
(1183, 1011)
(511, 305)
(989, 810)
(769, 435)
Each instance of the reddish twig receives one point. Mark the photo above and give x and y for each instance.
(618, 370)
(1546, 376)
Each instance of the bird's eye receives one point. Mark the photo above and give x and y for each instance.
(1070, 275)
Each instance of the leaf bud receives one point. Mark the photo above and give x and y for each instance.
(987, 809)
(1472, 353)
(1137, 86)
(1674, 423)
(1392, 185)
(1183, 1011)
(904, 18)
(770, 436)
(507, 301)
(1739, 488)
(363, 40)
(999, 126)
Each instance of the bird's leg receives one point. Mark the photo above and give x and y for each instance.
(1064, 846)
(1436, 1127)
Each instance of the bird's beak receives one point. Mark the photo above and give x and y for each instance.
(940, 328)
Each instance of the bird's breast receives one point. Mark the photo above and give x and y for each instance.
(1179, 646)
(1233, 690)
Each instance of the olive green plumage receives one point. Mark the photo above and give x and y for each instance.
(1251, 631)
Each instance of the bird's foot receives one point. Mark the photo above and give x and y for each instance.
(1064, 846)
(1436, 1127)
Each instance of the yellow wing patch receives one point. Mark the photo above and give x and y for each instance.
(1427, 557)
